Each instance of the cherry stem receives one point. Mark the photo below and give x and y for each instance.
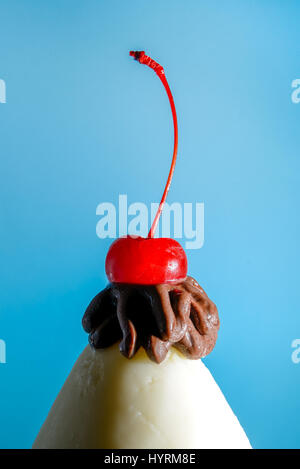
(141, 57)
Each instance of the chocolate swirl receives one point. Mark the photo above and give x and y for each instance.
(154, 317)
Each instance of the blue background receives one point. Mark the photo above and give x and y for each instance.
(84, 123)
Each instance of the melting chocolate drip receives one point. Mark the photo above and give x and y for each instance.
(154, 317)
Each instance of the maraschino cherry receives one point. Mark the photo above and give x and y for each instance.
(149, 261)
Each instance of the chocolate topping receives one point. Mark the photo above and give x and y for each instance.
(154, 317)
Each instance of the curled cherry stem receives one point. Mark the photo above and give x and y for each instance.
(141, 57)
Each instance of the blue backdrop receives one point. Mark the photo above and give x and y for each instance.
(83, 123)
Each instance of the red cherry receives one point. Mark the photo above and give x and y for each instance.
(149, 261)
(146, 261)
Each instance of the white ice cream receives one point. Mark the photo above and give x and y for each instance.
(111, 402)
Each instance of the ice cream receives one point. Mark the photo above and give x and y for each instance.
(111, 402)
(164, 396)
(141, 382)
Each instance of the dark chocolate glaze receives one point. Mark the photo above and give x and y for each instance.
(154, 317)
